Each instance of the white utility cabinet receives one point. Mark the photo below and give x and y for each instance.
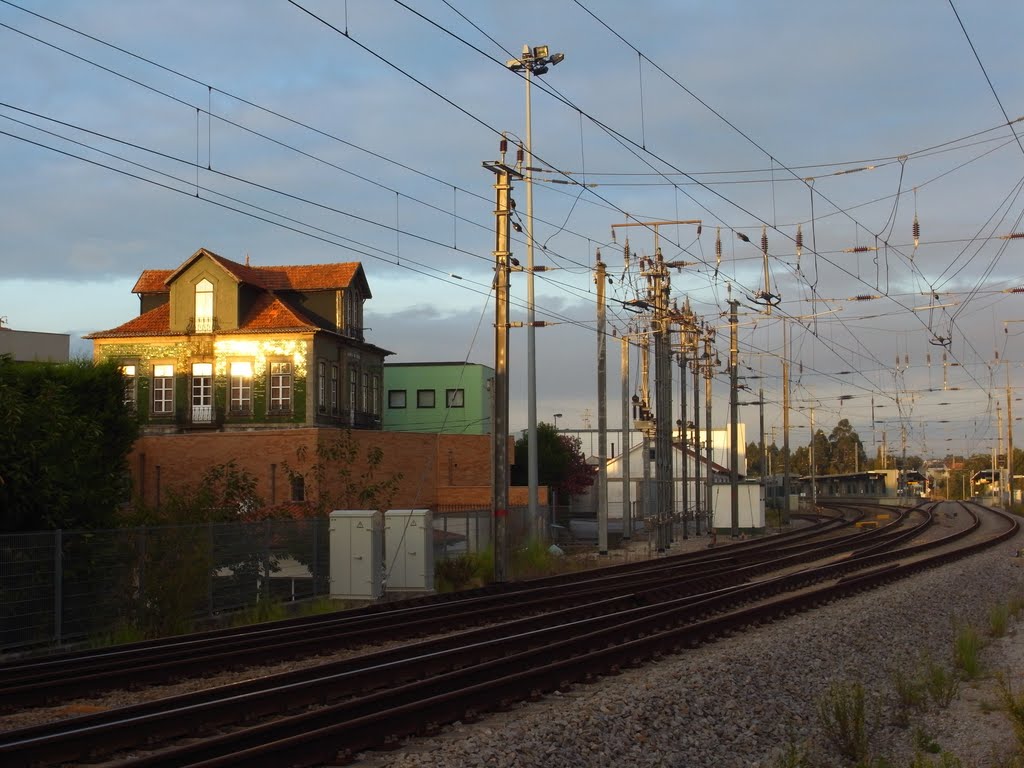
(356, 548)
(409, 550)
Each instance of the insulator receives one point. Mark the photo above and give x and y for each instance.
(917, 231)
(700, 228)
(928, 357)
(718, 246)
(519, 155)
(764, 240)
(906, 359)
(503, 146)
(799, 240)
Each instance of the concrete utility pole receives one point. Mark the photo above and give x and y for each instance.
(627, 504)
(683, 437)
(663, 399)
(499, 447)
(534, 61)
(785, 424)
(1009, 437)
(602, 415)
(697, 509)
(709, 370)
(645, 420)
(814, 479)
(734, 432)
(658, 292)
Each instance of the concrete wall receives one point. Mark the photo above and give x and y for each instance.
(473, 418)
(436, 469)
(26, 346)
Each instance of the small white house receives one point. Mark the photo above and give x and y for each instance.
(719, 467)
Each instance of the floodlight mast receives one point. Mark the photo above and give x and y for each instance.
(534, 61)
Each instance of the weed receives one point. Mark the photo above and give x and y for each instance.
(925, 743)
(264, 610)
(941, 684)
(910, 696)
(793, 757)
(998, 619)
(842, 714)
(463, 572)
(946, 760)
(1016, 605)
(121, 633)
(1014, 706)
(967, 651)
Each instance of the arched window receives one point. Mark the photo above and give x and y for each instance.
(204, 306)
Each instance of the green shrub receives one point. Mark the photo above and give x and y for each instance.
(998, 620)
(910, 696)
(940, 683)
(464, 572)
(842, 714)
(1014, 706)
(967, 651)
(264, 610)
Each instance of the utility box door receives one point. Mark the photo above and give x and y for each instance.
(409, 550)
(356, 547)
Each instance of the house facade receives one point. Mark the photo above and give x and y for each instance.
(449, 398)
(220, 345)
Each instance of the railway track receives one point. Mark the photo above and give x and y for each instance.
(612, 620)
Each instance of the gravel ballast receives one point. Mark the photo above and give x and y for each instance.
(741, 701)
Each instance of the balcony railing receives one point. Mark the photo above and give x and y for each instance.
(202, 414)
(204, 325)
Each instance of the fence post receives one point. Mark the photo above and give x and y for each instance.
(58, 578)
(265, 586)
(316, 551)
(212, 571)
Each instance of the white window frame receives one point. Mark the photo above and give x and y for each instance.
(240, 387)
(163, 389)
(204, 306)
(281, 385)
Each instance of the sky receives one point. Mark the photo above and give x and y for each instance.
(132, 134)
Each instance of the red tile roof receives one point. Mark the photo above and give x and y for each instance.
(296, 277)
(269, 314)
(153, 281)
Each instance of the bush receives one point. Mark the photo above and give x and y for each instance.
(967, 651)
(998, 620)
(942, 685)
(463, 572)
(1014, 706)
(910, 696)
(842, 714)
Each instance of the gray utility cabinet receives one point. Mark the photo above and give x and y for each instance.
(356, 537)
(409, 550)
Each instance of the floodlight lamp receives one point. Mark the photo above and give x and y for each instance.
(557, 58)
(541, 70)
(514, 64)
(540, 51)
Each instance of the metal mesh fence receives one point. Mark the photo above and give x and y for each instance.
(68, 586)
(61, 586)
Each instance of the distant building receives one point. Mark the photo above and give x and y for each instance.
(450, 398)
(27, 346)
(218, 344)
(267, 367)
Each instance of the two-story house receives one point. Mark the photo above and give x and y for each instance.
(229, 346)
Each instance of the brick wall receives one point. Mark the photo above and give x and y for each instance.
(447, 469)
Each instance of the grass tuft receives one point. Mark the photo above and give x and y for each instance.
(967, 651)
(842, 714)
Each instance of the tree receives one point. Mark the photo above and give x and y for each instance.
(755, 460)
(65, 434)
(822, 454)
(339, 479)
(561, 462)
(845, 449)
